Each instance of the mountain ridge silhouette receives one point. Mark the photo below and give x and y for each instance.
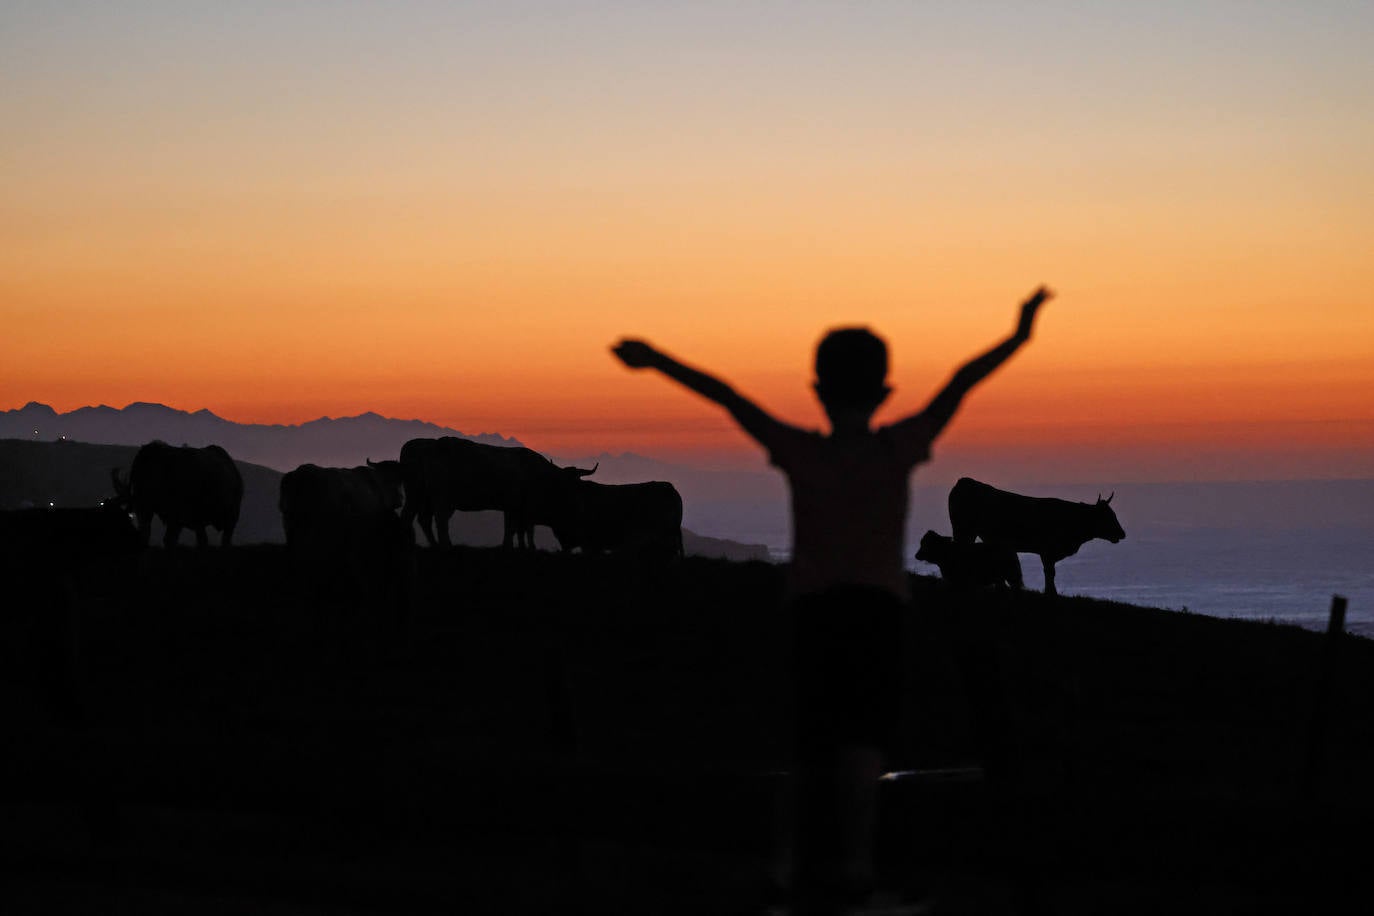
(341, 441)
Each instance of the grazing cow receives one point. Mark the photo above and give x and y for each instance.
(971, 565)
(334, 508)
(1052, 528)
(185, 487)
(344, 535)
(453, 474)
(638, 517)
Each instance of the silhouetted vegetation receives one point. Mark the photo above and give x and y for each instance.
(568, 733)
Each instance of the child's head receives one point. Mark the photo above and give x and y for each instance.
(851, 371)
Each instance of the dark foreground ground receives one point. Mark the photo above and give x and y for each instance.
(551, 734)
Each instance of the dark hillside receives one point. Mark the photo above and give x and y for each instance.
(67, 473)
(570, 734)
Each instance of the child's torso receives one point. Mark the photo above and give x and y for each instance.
(849, 505)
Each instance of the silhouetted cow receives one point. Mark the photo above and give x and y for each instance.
(1052, 528)
(339, 508)
(640, 517)
(451, 474)
(970, 565)
(345, 538)
(185, 487)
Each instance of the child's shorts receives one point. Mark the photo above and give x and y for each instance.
(847, 674)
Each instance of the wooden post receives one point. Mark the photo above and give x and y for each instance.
(1321, 696)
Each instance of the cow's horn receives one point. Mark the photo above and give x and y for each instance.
(1109, 498)
(582, 473)
(370, 462)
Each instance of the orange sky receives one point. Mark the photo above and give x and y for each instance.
(249, 216)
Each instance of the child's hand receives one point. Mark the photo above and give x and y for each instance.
(635, 353)
(1029, 308)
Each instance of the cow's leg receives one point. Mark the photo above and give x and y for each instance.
(411, 517)
(1014, 577)
(169, 537)
(962, 534)
(202, 539)
(508, 529)
(410, 513)
(441, 527)
(1049, 575)
(226, 535)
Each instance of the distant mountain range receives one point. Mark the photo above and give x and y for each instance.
(342, 441)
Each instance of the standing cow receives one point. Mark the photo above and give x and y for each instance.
(185, 487)
(1052, 528)
(337, 508)
(451, 474)
(346, 540)
(643, 518)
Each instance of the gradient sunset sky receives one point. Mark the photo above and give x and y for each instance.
(449, 211)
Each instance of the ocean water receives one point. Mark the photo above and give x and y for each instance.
(1285, 576)
(1261, 550)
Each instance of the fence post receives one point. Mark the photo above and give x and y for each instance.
(1321, 697)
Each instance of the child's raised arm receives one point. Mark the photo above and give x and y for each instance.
(638, 354)
(922, 428)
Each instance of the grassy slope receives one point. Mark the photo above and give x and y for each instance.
(550, 732)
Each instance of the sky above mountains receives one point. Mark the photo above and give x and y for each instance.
(450, 211)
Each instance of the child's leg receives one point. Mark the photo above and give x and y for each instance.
(858, 772)
(834, 816)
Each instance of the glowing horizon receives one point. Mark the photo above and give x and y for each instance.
(450, 215)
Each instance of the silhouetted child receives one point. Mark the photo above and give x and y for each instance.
(847, 585)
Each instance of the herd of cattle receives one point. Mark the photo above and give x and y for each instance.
(328, 510)
(348, 513)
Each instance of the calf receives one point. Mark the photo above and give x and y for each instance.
(971, 565)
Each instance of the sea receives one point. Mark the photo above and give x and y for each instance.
(1284, 577)
(1275, 552)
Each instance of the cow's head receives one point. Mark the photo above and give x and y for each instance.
(934, 547)
(392, 480)
(121, 486)
(578, 473)
(566, 506)
(1105, 524)
(123, 500)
